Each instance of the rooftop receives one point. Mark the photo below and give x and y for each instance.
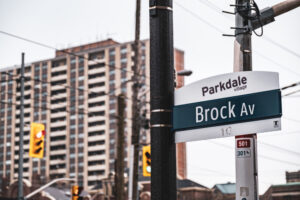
(227, 188)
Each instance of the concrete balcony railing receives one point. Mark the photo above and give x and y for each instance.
(59, 77)
(97, 167)
(97, 70)
(58, 133)
(97, 147)
(97, 157)
(60, 68)
(96, 137)
(96, 128)
(59, 114)
(97, 80)
(96, 61)
(58, 152)
(57, 87)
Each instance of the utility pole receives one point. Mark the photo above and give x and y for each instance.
(135, 139)
(163, 148)
(119, 178)
(245, 23)
(20, 172)
(246, 168)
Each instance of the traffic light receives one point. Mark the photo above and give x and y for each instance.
(147, 161)
(36, 148)
(76, 190)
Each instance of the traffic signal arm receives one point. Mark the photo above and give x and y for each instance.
(267, 15)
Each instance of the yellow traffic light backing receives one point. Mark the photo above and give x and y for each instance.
(76, 190)
(147, 161)
(36, 148)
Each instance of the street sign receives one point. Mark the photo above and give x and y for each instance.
(245, 164)
(227, 105)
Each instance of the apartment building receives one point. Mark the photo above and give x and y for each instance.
(74, 95)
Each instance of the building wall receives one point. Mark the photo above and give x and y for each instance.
(180, 147)
(292, 176)
(75, 97)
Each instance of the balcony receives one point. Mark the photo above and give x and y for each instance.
(96, 137)
(97, 167)
(96, 128)
(59, 114)
(58, 133)
(96, 61)
(96, 80)
(59, 77)
(96, 70)
(96, 148)
(59, 68)
(97, 157)
(58, 123)
(96, 118)
(57, 152)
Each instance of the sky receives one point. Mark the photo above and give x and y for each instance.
(198, 28)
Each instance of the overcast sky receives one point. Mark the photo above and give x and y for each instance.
(198, 28)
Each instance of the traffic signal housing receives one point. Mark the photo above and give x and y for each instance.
(147, 160)
(76, 190)
(36, 147)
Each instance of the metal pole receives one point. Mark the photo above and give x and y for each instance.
(285, 6)
(120, 150)
(246, 168)
(20, 173)
(163, 148)
(136, 104)
(130, 172)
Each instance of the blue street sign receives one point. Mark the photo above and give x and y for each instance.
(229, 110)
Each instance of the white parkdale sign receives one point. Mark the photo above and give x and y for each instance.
(227, 105)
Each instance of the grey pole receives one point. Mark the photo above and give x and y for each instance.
(163, 148)
(245, 179)
(20, 173)
(135, 138)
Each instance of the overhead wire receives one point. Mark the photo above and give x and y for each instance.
(261, 156)
(294, 92)
(220, 31)
(280, 148)
(219, 11)
(110, 93)
(281, 134)
(70, 53)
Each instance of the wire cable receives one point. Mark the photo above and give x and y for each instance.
(67, 52)
(220, 31)
(219, 11)
(261, 156)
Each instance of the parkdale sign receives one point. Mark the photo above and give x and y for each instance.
(227, 105)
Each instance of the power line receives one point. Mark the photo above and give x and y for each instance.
(280, 134)
(293, 120)
(220, 31)
(199, 18)
(294, 92)
(280, 148)
(219, 11)
(276, 63)
(261, 156)
(80, 89)
(291, 85)
(70, 53)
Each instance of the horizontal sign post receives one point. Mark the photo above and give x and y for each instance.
(227, 105)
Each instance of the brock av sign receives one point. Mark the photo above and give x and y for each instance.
(227, 105)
